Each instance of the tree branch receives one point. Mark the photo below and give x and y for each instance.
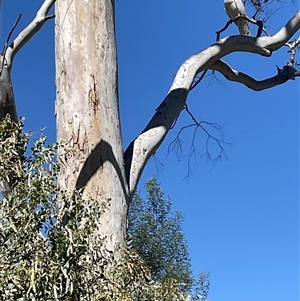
(7, 99)
(145, 145)
(293, 47)
(208, 128)
(7, 41)
(32, 28)
(285, 74)
(259, 24)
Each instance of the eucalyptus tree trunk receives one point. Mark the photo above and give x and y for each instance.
(87, 111)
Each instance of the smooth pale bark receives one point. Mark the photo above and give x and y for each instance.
(87, 111)
(145, 145)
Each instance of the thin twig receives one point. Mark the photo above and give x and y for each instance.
(10, 33)
(176, 144)
(196, 82)
(258, 23)
(7, 42)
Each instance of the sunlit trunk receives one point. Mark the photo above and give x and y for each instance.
(87, 111)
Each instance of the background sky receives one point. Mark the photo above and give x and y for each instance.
(242, 214)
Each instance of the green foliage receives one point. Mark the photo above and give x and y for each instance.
(201, 287)
(49, 243)
(157, 236)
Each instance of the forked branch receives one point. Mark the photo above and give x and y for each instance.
(208, 129)
(259, 24)
(284, 74)
(145, 145)
(7, 42)
(32, 28)
(7, 100)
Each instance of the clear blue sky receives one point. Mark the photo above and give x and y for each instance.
(242, 216)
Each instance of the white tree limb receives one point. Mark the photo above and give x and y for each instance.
(285, 74)
(26, 34)
(145, 145)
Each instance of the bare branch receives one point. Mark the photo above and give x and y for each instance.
(285, 74)
(197, 80)
(293, 48)
(207, 128)
(7, 41)
(223, 29)
(7, 99)
(26, 34)
(11, 31)
(145, 145)
(258, 23)
(262, 8)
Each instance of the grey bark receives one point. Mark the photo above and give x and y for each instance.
(7, 99)
(87, 111)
